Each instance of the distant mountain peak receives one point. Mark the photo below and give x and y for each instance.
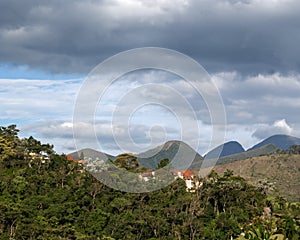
(226, 149)
(280, 140)
(176, 151)
(90, 153)
(169, 144)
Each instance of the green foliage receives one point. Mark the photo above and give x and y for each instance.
(10, 131)
(164, 162)
(9, 142)
(7, 148)
(260, 232)
(294, 149)
(13, 150)
(32, 145)
(284, 225)
(81, 156)
(127, 161)
(58, 199)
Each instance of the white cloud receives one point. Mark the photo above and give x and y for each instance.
(37, 99)
(278, 127)
(261, 98)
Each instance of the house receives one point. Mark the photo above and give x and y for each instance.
(190, 178)
(70, 158)
(148, 175)
(178, 174)
(183, 174)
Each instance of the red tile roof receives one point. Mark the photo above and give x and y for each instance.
(70, 158)
(186, 173)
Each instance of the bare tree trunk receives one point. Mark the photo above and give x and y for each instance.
(12, 230)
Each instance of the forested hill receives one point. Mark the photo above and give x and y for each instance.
(44, 196)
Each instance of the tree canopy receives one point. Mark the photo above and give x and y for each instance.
(127, 161)
(164, 162)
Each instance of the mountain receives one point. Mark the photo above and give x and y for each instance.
(176, 151)
(232, 151)
(225, 149)
(91, 153)
(262, 151)
(281, 141)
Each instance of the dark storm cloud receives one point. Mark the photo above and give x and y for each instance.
(250, 36)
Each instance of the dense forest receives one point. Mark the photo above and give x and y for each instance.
(44, 196)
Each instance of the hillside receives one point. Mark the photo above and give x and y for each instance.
(281, 141)
(277, 171)
(262, 151)
(170, 150)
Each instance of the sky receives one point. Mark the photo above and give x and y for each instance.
(249, 48)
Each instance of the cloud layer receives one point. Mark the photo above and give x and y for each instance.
(249, 36)
(45, 109)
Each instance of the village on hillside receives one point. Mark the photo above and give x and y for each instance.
(189, 176)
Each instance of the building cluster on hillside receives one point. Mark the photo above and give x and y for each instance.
(190, 177)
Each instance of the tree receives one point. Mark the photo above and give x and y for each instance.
(33, 145)
(228, 173)
(164, 162)
(10, 131)
(294, 149)
(127, 161)
(7, 148)
(9, 142)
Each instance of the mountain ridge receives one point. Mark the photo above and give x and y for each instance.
(176, 151)
(225, 149)
(280, 140)
(228, 152)
(90, 153)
